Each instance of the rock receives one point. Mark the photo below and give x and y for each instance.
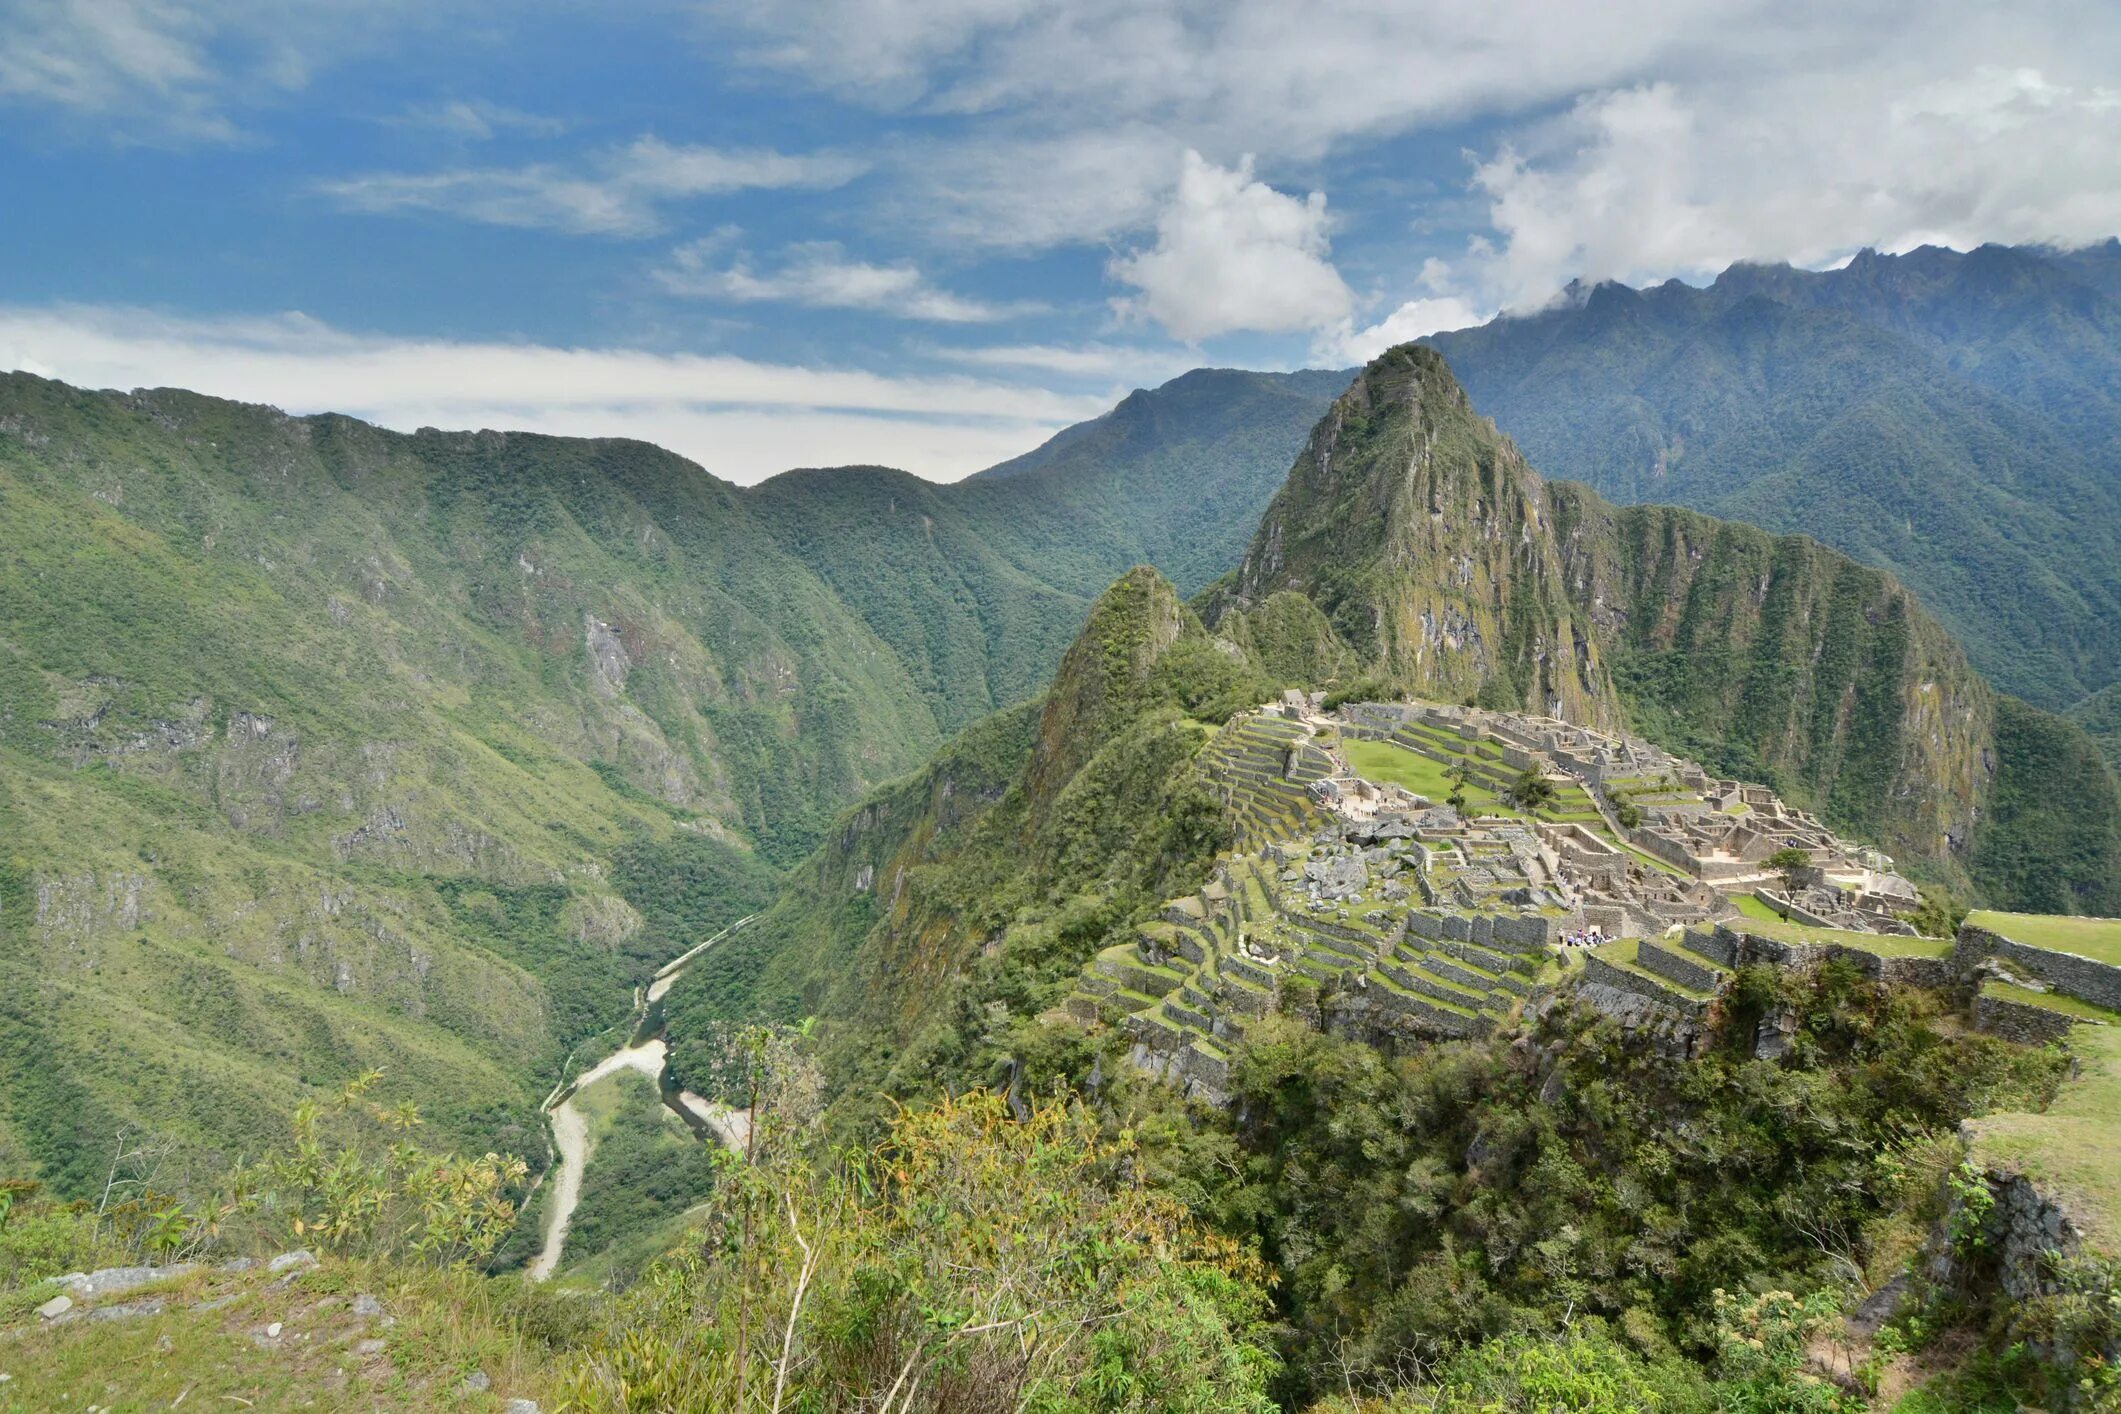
(369, 1347)
(56, 1307)
(112, 1280)
(1339, 876)
(1880, 1307)
(366, 1305)
(299, 1260)
(150, 1307)
(476, 1382)
(520, 1406)
(273, 1330)
(237, 1264)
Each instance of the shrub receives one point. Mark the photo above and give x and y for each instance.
(970, 1262)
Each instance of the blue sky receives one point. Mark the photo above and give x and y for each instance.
(929, 232)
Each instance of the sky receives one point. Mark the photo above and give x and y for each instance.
(929, 233)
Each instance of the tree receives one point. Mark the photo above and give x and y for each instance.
(1531, 791)
(1457, 775)
(1788, 863)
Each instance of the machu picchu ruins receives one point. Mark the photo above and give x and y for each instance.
(1408, 871)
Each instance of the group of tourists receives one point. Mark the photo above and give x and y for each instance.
(1589, 937)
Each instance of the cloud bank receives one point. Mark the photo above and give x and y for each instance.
(741, 419)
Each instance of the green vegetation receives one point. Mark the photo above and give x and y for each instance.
(647, 1172)
(325, 749)
(1767, 658)
(1788, 864)
(1884, 944)
(2052, 839)
(1418, 1206)
(1752, 907)
(1948, 418)
(2096, 938)
(2073, 1147)
(2100, 716)
(2050, 1001)
(1032, 842)
(974, 1262)
(1391, 764)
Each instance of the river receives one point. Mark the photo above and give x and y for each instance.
(570, 1127)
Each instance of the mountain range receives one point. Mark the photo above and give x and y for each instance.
(1412, 550)
(324, 747)
(1954, 418)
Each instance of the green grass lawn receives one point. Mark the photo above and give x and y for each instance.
(2074, 1148)
(1752, 907)
(1392, 764)
(2050, 1001)
(1389, 764)
(1884, 944)
(2096, 938)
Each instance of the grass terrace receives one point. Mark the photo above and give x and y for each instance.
(2096, 938)
(1389, 763)
(1754, 908)
(2073, 1149)
(1883, 944)
(2051, 1001)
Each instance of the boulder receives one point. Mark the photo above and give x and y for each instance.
(110, 1281)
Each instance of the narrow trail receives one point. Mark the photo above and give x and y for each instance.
(570, 1127)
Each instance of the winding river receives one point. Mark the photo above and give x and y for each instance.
(647, 1054)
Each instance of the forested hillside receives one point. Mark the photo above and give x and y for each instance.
(324, 747)
(1953, 418)
(1452, 569)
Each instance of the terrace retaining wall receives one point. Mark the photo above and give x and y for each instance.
(2096, 982)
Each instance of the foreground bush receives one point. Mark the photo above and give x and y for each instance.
(972, 1262)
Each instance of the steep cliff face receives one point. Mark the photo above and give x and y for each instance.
(1773, 657)
(1449, 568)
(1424, 537)
(1952, 418)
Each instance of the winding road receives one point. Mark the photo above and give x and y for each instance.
(570, 1127)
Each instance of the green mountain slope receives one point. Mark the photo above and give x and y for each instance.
(1955, 419)
(1451, 568)
(2100, 715)
(1185, 469)
(1411, 548)
(960, 901)
(324, 747)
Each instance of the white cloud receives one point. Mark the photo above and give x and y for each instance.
(1413, 320)
(1232, 253)
(1101, 361)
(740, 418)
(819, 275)
(620, 192)
(1646, 182)
(165, 72)
(1083, 106)
(1692, 132)
(476, 120)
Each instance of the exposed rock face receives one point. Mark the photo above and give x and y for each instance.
(1338, 876)
(602, 919)
(1424, 536)
(1444, 562)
